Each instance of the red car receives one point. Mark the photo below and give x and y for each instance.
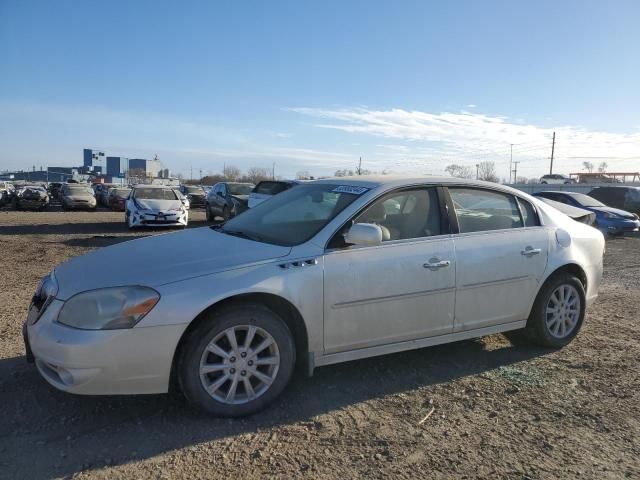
(117, 198)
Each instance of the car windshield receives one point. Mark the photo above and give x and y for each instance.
(193, 189)
(586, 200)
(78, 190)
(240, 188)
(155, 194)
(294, 216)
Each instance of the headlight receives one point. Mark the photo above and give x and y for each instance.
(108, 308)
(610, 215)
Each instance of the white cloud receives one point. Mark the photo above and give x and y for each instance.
(471, 105)
(468, 137)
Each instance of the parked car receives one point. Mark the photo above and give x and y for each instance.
(556, 179)
(268, 188)
(227, 199)
(625, 198)
(31, 197)
(77, 196)
(101, 191)
(227, 313)
(610, 220)
(195, 194)
(7, 192)
(155, 206)
(118, 198)
(54, 190)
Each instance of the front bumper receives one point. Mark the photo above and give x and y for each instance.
(79, 205)
(31, 203)
(154, 219)
(618, 226)
(102, 362)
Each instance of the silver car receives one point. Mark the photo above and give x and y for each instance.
(329, 271)
(77, 196)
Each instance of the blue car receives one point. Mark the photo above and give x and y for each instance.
(608, 219)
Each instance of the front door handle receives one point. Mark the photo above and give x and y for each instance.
(435, 264)
(530, 251)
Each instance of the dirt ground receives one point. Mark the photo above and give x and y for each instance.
(500, 410)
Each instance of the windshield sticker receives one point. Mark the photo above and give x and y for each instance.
(350, 189)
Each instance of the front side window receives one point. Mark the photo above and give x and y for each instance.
(292, 217)
(403, 215)
(481, 210)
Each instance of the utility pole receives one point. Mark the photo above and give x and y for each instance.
(360, 166)
(478, 170)
(553, 147)
(515, 171)
(191, 175)
(511, 161)
(273, 171)
(200, 175)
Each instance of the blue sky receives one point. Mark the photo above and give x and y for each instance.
(410, 86)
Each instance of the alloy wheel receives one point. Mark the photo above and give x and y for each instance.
(563, 311)
(239, 364)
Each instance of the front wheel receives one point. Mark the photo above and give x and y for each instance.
(226, 214)
(558, 313)
(236, 361)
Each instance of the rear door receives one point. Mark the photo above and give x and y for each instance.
(501, 252)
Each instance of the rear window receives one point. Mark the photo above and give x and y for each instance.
(155, 194)
(271, 188)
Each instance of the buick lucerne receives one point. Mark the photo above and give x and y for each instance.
(329, 271)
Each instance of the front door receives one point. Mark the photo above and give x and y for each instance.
(400, 290)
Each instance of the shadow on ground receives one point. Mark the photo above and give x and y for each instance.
(64, 434)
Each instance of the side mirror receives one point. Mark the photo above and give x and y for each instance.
(365, 234)
(220, 194)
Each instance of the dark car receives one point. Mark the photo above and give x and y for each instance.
(608, 219)
(31, 197)
(54, 189)
(117, 198)
(266, 189)
(7, 192)
(195, 194)
(625, 198)
(227, 199)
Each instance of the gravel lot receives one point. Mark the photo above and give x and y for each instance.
(500, 409)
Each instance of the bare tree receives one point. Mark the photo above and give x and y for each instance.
(231, 173)
(343, 173)
(487, 172)
(588, 166)
(257, 174)
(303, 175)
(212, 179)
(603, 167)
(459, 171)
(522, 180)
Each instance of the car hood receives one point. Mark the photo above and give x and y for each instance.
(159, 204)
(161, 259)
(615, 211)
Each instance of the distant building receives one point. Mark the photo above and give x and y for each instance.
(111, 168)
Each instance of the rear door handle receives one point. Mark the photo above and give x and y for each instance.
(530, 251)
(435, 264)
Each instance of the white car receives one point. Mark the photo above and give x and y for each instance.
(557, 179)
(155, 206)
(379, 265)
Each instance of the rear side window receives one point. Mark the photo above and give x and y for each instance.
(271, 188)
(481, 210)
(529, 215)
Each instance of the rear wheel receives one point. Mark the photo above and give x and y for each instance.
(226, 214)
(558, 313)
(237, 361)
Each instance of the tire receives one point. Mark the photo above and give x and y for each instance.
(207, 213)
(541, 327)
(226, 214)
(214, 327)
(543, 183)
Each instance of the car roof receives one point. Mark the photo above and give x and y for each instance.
(561, 192)
(374, 181)
(616, 186)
